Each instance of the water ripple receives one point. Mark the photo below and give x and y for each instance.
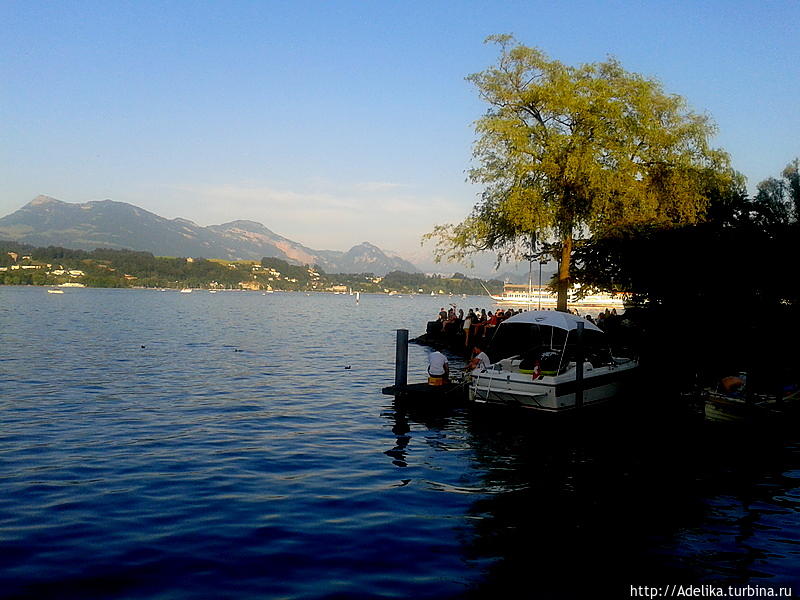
(159, 445)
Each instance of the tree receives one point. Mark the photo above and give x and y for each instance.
(566, 152)
(792, 176)
(772, 201)
(780, 198)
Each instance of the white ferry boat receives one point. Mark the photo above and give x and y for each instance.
(536, 298)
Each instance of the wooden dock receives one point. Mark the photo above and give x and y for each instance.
(451, 392)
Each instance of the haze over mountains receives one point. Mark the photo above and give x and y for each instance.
(46, 221)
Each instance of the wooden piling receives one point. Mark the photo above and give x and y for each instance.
(401, 360)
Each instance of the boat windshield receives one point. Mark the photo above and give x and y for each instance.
(527, 339)
(518, 339)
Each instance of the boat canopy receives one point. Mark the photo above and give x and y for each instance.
(552, 318)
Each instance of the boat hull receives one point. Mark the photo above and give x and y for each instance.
(549, 394)
(735, 409)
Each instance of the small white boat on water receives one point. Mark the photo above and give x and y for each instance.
(186, 291)
(55, 291)
(534, 354)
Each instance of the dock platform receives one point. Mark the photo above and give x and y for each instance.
(451, 392)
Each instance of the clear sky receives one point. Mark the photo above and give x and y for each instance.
(338, 122)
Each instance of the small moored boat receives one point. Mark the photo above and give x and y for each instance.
(534, 366)
(740, 406)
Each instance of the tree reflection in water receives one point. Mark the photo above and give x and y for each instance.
(575, 507)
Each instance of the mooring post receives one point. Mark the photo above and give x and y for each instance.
(579, 368)
(401, 360)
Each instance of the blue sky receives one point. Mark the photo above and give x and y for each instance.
(338, 122)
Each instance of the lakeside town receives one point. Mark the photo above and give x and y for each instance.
(124, 268)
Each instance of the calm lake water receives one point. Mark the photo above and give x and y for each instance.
(166, 445)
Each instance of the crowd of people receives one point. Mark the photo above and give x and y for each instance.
(478, 325)
(601, 319)
(473, 327)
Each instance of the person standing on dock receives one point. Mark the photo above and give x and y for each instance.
(438, 369)
(468, 321)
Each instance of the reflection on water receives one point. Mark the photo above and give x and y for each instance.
(565, 507)
(157, 444)
(621, 504)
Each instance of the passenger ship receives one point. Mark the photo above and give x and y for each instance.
(536, 297)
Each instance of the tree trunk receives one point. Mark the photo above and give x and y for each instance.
(563, 273)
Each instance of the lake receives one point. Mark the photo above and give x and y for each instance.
(237, 445)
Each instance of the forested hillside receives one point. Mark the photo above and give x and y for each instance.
(23, 264)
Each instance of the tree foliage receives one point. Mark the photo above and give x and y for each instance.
(719, 295)
(778, 199)
(735, 246)
(566, 152)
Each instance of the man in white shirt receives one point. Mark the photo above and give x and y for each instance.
(480, 360)
(437, 365)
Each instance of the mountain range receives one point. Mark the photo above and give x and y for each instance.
(46, 221)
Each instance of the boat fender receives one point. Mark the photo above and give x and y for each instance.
(732, 384)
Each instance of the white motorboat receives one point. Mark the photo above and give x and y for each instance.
(534, 354)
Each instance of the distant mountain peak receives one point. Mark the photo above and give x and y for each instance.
(245, 225)
(42, 200)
